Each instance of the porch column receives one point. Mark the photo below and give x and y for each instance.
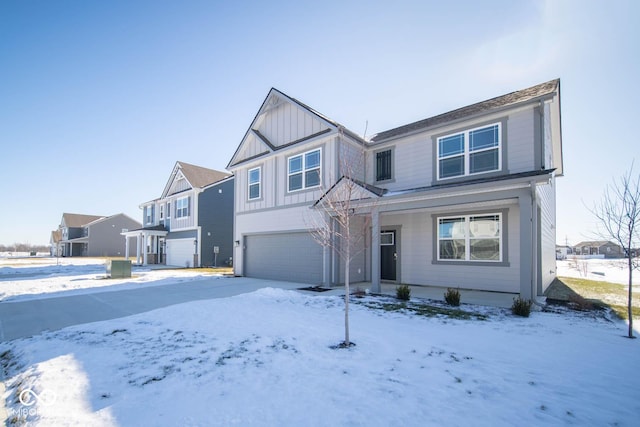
(145, 237)
(126, 247)
(138, 248)
(375, 251)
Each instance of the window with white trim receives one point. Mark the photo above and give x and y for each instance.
(182, 207)
(470, 238)
(470, 152)
(254, 178)
(303, 170)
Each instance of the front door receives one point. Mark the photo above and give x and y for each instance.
(388, 255)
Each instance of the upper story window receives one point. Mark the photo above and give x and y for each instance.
(148, 214)
(254, 183)
(470, 238)
(303, 170)
(383, 165)
(470, 152)
(182, 207)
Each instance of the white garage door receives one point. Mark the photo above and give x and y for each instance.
(180, 252)
(293, 257)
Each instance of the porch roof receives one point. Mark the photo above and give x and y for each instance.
(156, 230)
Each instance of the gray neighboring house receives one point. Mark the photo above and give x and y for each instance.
(91, 235)
(463, 199)
(599, 247)
(190, 224)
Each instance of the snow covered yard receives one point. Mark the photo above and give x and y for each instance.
(38, 277)
(607, 270)
(265, 359)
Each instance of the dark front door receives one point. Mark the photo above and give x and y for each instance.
(388, 255)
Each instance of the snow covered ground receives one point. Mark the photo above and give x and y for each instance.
(607, 270)
(265, 358)
(30, 278)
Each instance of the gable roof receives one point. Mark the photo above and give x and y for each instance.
(540, 91)
(78, 220)
(200, 177)
(370, 189)
(596, 243)
(274, 99)
(196, 176)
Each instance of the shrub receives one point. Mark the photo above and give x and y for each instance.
(521, 307)
(452, 297)
(403, 292)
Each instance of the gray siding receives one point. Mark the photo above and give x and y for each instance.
(215, 211)
(105, 238)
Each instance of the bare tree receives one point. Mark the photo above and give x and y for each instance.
(619, 213)
(341, 225)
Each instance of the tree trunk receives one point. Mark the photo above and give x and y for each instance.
(346, 300)
(630, 308)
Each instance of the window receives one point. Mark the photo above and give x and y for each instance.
(148, 214)
(182, 207)
(471, 152)
(470, 238)
(387, 238)
(254, 183)
(303, 170)
(383, 165)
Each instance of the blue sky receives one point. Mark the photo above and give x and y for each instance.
(99, 99)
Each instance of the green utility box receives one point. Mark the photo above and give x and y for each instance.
(119, 269)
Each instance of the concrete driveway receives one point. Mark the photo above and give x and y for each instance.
(27, 318)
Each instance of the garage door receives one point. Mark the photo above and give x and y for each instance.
(293, 257)
(180, 252)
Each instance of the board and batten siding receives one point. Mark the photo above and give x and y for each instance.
(286, 123)
(273, 191)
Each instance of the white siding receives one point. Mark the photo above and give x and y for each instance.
(299, 218)
(547, 200)
(287, 123)
(416, 256)
(520, 143)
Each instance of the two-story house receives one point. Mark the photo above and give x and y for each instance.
(463, 199)
(91, 235)
(191, 224)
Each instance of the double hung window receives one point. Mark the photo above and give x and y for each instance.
(470, 238)
(303, 170)
(182, 207)
(470, 152)
(254, 183)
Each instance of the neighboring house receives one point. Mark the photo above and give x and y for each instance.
(599, 247)
(191, 224)
(91, 235)
(563, 251)
(55, 247)
(463, 199)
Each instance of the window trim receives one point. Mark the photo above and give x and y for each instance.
(304, 170)
(259, 183)
(391, 178)
(503, 239)
(502, 151)
(178, 210)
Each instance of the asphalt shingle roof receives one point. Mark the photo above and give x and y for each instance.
(516, 97)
